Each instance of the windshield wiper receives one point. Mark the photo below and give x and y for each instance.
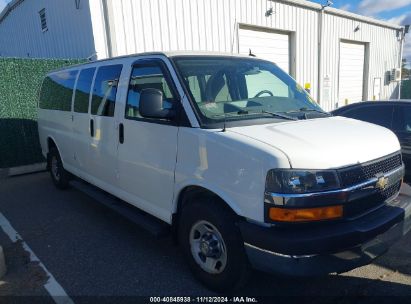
(310, 110)
(279, 115)
(245, 113)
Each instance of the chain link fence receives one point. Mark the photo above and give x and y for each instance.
(20, 81)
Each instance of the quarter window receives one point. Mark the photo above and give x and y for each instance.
(146, 76)
(83, 88)
(105, 90)
(57, 91)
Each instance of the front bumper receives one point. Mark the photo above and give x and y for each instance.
(329, 247)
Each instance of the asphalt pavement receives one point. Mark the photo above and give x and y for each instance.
(91, 251)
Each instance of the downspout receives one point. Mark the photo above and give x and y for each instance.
(401, 54)
(320, 65)
(107, 28)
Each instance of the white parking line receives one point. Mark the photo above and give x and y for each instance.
(52, 286)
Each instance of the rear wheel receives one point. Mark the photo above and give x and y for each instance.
(58, 174)
(212, 244)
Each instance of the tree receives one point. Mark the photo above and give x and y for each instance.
(405, 72)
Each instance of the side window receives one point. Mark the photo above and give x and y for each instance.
(83, 89)
(148, 75)
(376, 114)
(402, 119)
(105, 90)
(57, 91)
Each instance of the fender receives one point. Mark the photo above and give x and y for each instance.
(226, 197)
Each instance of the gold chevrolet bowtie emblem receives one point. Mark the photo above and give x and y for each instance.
(382, 183)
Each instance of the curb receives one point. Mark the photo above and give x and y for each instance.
(22, 170)
(3, 268)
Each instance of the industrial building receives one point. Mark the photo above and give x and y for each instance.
(343, 57)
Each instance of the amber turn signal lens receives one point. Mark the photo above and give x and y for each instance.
(305, 215)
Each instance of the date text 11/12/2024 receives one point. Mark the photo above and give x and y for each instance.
(239, 299)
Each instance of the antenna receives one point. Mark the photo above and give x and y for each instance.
(225, 118)
(251, 54)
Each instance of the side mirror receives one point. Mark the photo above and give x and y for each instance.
(152, 105)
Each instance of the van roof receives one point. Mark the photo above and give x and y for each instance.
(169, 54)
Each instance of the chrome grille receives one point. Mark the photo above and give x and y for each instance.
(364, 205)
(360, 173)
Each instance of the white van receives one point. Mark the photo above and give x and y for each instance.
(234, 155)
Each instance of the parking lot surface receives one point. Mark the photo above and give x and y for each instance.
(92, 251)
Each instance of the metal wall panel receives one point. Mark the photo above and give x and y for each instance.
(69, 33)
(212, 25)
(119, 27)
(382, 55)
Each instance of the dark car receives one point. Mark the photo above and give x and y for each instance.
(394, 115)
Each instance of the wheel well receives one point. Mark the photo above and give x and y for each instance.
(187, 195)
(50, 144)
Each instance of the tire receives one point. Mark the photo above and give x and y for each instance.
(58, 174)
(225, 249)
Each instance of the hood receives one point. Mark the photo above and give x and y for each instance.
(325, 143)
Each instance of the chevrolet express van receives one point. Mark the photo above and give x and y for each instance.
(234, 155)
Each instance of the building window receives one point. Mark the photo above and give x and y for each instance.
(43, 20)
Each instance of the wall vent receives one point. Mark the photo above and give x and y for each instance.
(43, 20)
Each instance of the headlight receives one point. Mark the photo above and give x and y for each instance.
(301, 181)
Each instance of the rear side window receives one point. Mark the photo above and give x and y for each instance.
(57, 91)
(376, 114)
(83, 89)
(105, 90)
(402, 119)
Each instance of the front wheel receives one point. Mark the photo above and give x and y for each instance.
(212, 245)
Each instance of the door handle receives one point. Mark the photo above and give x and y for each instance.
(92, 127)
(121, 133)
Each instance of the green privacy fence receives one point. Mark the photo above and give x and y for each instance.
(406, 89)
(20, 81)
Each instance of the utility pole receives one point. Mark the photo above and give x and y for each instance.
(404, 31)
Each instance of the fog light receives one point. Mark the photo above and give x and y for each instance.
(305, 215)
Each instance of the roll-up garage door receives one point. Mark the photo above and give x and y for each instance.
(351, 79)
(265, 44)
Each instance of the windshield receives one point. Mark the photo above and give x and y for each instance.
(234, 88)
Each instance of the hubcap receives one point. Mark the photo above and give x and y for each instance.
(55, 168)
(208, 247)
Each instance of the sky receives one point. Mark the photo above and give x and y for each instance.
(3, 3)
(395, 11)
